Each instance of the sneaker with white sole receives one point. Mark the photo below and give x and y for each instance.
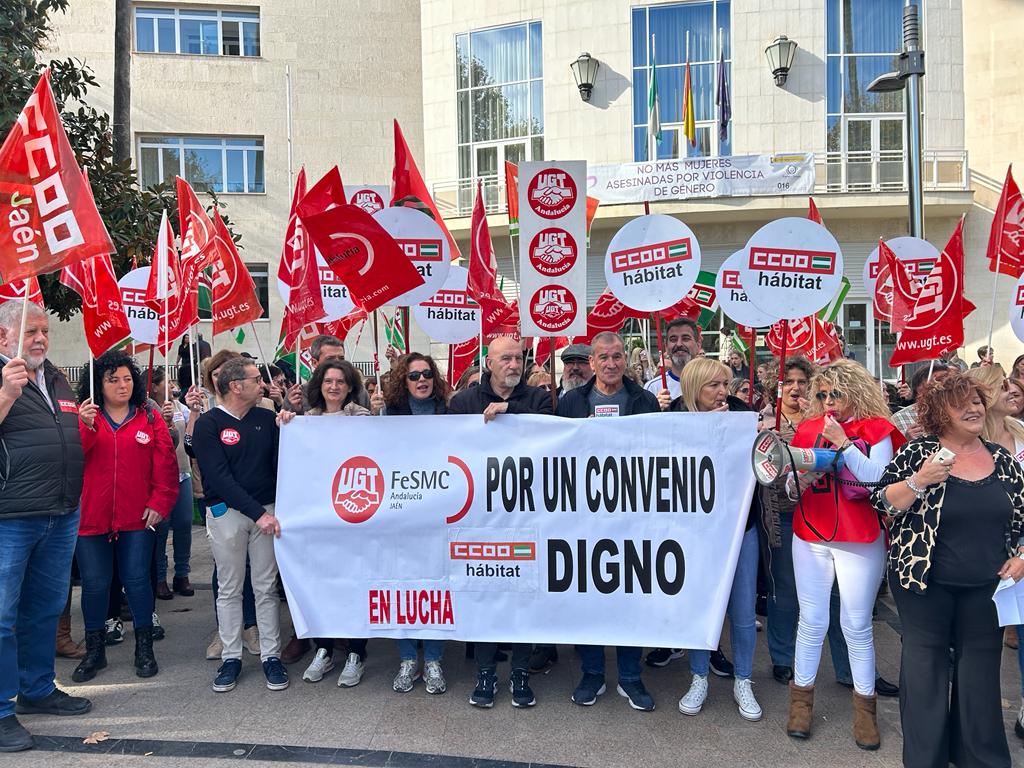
(693, 701)
(433, 678)
(743, 693)
(159, 633)
(352, 672)
(318, 667)
(251, 640)
(114, 632)
(406, 677)
(215, 648)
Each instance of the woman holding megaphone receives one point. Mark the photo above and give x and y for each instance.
(838, 537)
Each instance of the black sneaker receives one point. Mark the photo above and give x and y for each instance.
(227, 675)
(543, 658)
(782, 673)
(276, 674)
(884, 688)
(661, 657)
(721, 666)
(114, 631)
(590, 687)
(57, 703)
(519, 685)
(13, 736)
(486, 687)
(637, 695)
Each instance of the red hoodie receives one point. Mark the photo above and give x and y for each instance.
(126, 471)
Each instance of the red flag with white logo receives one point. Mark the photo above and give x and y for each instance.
(1006, 238)
(609, 314)
(935, 324)
(15, 291)
(460, 357)
(49, 216)
(543, 351)
(409, 191)
(483, 266)
(341, 327)
(809, 335)
(297, 269)
(197, 235)
(355, 246)
(178, 309)
(234, 294)
(904, 288)
(103, 316)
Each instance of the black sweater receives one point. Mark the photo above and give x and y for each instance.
(238, 459)
(522, 399)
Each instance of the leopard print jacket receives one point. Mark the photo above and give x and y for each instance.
(913, 532)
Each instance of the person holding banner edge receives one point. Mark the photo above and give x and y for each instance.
(610, 393)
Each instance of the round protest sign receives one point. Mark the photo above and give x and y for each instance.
(652, 262)
(553, 308)
(1017, 309)
(450, 315)
(917, 256)
(791, 267)
(551, 193)
(733, 299)
(143, 321)
(426, 246)
(337, 302)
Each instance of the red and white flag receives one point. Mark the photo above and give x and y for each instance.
(103, 315)
(50, 219)
(609, 314)
(197, 235)
(409, 191)
(177, 309)
(234, 294)
(935, 324)
(904, 288)
(810, 336)
(355, 246)
(297, 269)
(812, 212)
(482, 284)
(15, 291)
(542, 353)
(341, 327)
(1006, 239)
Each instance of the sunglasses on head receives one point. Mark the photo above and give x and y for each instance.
(415, 375)
(835, 394)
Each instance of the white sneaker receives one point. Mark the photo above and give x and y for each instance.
(352, 672)
(251, 641)
(433, 677)
(215, 648)
(407, 675)
(694, 699)
(1018, 727)
(743, 693)
(318, 667)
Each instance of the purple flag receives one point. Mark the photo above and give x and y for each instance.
(722, 99)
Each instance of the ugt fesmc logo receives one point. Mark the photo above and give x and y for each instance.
(793, 260)
(358, 489)
(551, 193)
(553, 252)
(652, 255)
(553, 308)
(368, 200)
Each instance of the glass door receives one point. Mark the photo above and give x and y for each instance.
(858, 321)
(873, 147)
(490, 166)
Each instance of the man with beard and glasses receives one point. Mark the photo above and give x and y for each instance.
(683, 344)
(502, 390)
(576, 370)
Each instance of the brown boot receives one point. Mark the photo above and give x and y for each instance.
(801, 705)
(67, 647)
(865, 726)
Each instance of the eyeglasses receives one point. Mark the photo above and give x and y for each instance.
(415, 375)
(835, 394)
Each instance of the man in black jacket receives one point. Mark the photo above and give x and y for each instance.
(502, 390)
(41, 466)
(611, 393)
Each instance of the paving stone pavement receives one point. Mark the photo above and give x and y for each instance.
(176, 720)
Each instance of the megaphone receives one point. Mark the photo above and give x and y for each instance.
(772, 457)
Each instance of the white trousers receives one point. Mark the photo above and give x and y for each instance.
(859, 569)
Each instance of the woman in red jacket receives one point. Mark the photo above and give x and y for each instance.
(130, 485)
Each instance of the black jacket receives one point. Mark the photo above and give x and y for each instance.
(576, 405)
(523, 399)
(41, 459)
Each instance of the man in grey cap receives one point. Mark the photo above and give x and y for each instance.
(576, 370)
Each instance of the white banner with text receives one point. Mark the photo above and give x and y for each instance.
(526, 529)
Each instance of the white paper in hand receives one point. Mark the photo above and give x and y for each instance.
(1009, 600)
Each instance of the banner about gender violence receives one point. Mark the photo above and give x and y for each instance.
(697, 177)
(529, 528)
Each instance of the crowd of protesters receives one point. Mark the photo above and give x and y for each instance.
(929, 503)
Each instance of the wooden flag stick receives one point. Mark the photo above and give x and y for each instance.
(782, 373)
(24, 320)
(661, 350)
(259, 347)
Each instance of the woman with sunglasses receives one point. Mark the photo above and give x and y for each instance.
(838, 537)
(740, 388)
(416, 388)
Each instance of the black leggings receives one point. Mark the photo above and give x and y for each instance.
(354, 646)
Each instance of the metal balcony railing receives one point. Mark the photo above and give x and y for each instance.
(858, 172)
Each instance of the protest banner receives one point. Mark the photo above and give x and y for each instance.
(917, 256)
(370, 197)
(424, 244)
(337, 301)
(652, 262)
(143, 320)
(552, 248)
(734, 300)
(520, 536)
(793, 267)
(702, 177)
(451, 315)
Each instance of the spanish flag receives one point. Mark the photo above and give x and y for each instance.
(689, 124)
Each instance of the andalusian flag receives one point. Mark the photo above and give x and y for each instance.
(704, 295)
(738, 344)
(689, 122)
(653, 110)
(830, 311)
(393, 331)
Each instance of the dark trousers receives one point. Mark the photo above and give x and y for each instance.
(965, 728)
(357, 647)
(96, 562)
(485, 653)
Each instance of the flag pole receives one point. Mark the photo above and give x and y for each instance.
(149, 374)
(405, 324)
(554, 383)
(992, 314)
(92, 393)
(298, 361)
(192, 344)
(24, 320)
(881, 380)
(661, 350)
(288, 109)
(259, 346)
(782, 373)
(751, 364)
(376, 347)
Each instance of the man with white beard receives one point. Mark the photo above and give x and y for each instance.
(576, 370)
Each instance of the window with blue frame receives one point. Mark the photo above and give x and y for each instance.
(708, 25)
(210, 163)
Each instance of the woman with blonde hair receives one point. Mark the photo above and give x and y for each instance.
(704, 387)
(838, 537)
(640, 364)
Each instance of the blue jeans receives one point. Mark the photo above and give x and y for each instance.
(432, 649)
(784, 610)
(742, 601)
(180, 521)
(248, 598)
(627, 658)
(95, 554)
(35, 570)
(1020, 656)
